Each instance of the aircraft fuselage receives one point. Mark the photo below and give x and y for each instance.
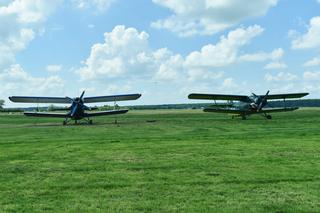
(251, 106)
(77, 111)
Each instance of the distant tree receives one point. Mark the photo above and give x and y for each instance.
(51, 107)
(1, 104)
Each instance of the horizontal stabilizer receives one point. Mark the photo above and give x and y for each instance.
(112, 98)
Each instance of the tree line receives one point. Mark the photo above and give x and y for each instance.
(288, 103)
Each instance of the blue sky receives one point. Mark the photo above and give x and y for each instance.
(164, 49)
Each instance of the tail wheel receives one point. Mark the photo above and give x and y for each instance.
(269, 117)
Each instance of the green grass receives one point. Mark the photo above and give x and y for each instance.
(187, 161)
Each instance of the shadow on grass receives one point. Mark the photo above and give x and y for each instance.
(272, 181)
(124, 123)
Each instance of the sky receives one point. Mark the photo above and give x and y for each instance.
(163, 49)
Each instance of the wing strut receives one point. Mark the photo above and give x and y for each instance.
(114, 108)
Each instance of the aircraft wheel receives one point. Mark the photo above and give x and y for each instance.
(90, 122)
(64, 123)
(244, 118)
(269, 117)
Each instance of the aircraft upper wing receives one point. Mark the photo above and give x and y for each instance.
(112, 98)
(29, 99)
(45, 114)
(110, 112)
(287, 96)
(219, 97)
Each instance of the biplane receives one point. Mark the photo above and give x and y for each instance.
(77, 109)
(244, 106)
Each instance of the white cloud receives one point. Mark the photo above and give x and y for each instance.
(29, 11)
(313, 62)
(19, 22)
(125, 59)
(126, 53)
(311, 76)
(225, 52)
(275, 65)
(263, 56)
(311, 38)
(229, 83)
(206, 17)
(170, 68)
(54, 68)
(100, 5)
(280, 77)
(196, 75)
(15, 79)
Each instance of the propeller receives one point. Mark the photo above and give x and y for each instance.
(77, 100)
(81, 97)
(74, 110)
(70, 99)
(263, 101)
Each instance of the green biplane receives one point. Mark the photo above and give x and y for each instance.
(247, 105)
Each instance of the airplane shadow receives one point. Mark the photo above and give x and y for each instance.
(272, 181)
(119, 124)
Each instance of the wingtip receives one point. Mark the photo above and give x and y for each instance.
(11, 98)
(138, 95)
(190, 96)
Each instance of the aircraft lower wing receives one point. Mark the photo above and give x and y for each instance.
(30, 99)
(112, 98)
(287, 96)
(111, 112)
(271, 110)
(239, 112)
(222, 110)
(49, 115)
(219, 97)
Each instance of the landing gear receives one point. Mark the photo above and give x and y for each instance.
(89, 121)
(76, 122)
(65, 122)
(244, 117)
(269, 117)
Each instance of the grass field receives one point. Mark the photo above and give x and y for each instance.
(186, 161)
